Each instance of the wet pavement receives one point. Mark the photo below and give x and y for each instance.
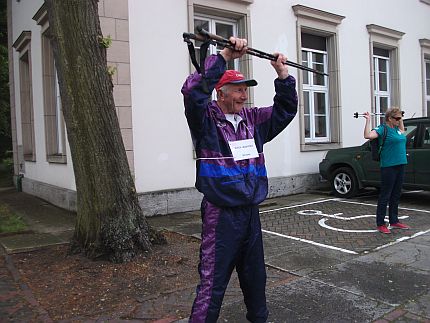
(325, 261)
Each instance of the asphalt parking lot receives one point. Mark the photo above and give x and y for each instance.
(345, 226)
(345, 271)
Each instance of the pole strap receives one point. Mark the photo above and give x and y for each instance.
(200, 68)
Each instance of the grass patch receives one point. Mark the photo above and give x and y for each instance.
(9, 221)
(6, 172)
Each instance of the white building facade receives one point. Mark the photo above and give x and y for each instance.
(377, 55)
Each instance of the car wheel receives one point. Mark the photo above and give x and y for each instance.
(344, 182)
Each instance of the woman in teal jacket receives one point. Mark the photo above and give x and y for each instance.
(393, 160)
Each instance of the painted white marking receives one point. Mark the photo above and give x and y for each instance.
(409, 192)
(344, 218)
(322, 223)
(402, 239)
(318, 212)
(298, 205)
(310, 242)
(337, 216)
(368, 204)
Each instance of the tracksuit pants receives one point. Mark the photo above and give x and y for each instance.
(231, 238)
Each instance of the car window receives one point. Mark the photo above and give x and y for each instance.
(426, 142)
(410, 132)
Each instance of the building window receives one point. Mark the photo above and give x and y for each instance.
(381, 81)
(22, 46)
(319, 96)
(425, 58)
(315, 89)
(427, 82)
(53, 115)
(225, 18)
(218, 26)
(55, 136)
(384, 69)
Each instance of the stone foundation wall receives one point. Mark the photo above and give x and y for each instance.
(169, 201)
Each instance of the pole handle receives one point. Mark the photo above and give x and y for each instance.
(356, 114)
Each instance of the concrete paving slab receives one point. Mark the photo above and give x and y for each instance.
(305, 300)
(422, 239)
(298, 257)
(65, 236)
(27, 242)
(409, 255)
(419, 306)
(188, 223)
(388, 283)
(41, 216)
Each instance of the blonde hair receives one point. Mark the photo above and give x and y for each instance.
(391, 112)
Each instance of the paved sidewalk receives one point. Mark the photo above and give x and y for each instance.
(388, 285)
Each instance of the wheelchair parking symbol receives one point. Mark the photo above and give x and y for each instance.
(338, 216)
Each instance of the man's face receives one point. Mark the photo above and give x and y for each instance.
(234, 99)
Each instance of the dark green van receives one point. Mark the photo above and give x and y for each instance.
(351, 169)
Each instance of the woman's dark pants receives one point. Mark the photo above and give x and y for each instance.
(391, 189)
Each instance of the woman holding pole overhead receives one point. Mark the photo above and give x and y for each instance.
(392, 161)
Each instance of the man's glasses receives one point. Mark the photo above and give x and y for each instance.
(397, 118)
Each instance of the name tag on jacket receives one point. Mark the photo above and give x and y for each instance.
(243, 149)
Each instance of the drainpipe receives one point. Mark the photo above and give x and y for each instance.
(19, 182)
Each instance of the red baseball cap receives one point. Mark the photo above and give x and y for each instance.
(234, 77)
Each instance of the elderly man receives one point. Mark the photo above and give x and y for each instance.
(231, 174)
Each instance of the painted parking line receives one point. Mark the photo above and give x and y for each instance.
(401, 239)
(310, 242)
(338, 216)
(412, 192)
(369, 204)
(300, 239)
(297, 205)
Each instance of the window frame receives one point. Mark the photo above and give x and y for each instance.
(425, 59)
(321, 23)
(427, 86)
(388, 39)
(55, 134)
(213, 20)
(233, 10)
(378, 93)
(312, 89)
(23, 46)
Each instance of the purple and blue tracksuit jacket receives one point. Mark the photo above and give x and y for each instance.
(231, 229)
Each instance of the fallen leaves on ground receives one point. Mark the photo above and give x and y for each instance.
(71, 286)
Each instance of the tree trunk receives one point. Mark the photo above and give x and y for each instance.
(110, 223)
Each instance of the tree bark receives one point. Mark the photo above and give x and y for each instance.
(110, 223)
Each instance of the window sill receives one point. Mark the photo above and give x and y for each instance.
(29, 158)
(320, 146)
(57, 159)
